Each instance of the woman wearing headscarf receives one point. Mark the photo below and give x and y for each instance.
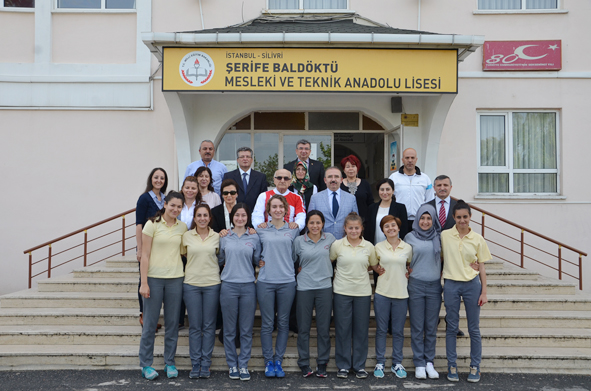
(301, 185)
(424, 289)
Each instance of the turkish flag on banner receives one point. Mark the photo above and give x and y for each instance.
(522, 55)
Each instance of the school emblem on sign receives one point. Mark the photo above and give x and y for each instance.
(196, 69)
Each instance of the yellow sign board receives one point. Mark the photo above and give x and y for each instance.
(310, 70)
(409, 119)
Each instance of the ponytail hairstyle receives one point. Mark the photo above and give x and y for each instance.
(241, 205)
(461, 204)
(193, 179)
(172, 194)
(202, 205)
(352, 217)
(149, 183)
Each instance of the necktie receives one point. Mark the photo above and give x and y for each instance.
(335, 204)
(442, 214)
(244, 183)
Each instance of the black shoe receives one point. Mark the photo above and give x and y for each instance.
(321, 371)
(460, 333)
(342, 373)
(307, 371)
(361, 374)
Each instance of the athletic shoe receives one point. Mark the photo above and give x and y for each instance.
(342, 373)
(452, 373)
(361, 374)
(321, 371)
(378, 371)
(431, 372)
(149, 373)
(399, 371)
(244, 374)
(204, 373)
(278, 369)
(474, 375)
(420, 373)
(307, 371)
(269, 369)
(234, 375)
(171, 371)
(194, 374)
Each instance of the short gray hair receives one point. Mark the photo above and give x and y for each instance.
(244, 149)
(207, 141)
(333, 168)
(303, 141)
(441, 178)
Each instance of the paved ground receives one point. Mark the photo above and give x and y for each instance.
(131, 380)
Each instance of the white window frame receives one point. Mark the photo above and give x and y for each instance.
(308, 10)
(508, 168)
(90, 10)
(523, 10)
(17, 9)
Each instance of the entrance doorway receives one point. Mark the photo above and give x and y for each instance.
(333, 135)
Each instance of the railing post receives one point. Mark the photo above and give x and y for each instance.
(483, 224)
(123, 236)
(49, 263)
(30, 268)
(522, 246)
(560, 262)
(580, 272)
(85, 246)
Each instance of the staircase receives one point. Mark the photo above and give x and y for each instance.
(89, 320)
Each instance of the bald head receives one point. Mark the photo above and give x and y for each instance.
(282, 179)
(409, 159)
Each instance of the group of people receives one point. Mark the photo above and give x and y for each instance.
(314, 238)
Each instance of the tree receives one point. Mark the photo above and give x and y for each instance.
(326, 153)
(268, 167)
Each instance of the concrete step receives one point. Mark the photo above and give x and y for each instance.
(68, 283)
(107, 272)
(577, 302)
(532, 360)
(541, 286)
(34, 299)
(128, 261)
(130, 335)
(510, 274)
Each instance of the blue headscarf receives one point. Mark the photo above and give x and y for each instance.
(430, 234)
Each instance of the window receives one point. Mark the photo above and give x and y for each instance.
(517, 4)
(96, 4)
(17, 3)
(307, 4)
(518, 153)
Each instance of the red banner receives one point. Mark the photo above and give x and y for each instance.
(522, 56)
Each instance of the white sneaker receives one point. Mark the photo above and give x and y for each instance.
(420, 373)
(431, 371)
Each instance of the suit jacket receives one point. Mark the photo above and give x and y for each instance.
(449, 221)
(256, 185)
(396, 209)
(315, 170)
(218, 219)
(347, 205)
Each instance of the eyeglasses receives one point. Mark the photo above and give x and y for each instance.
(233, 192)
(283, 178)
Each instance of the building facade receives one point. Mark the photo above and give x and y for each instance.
(85, 113)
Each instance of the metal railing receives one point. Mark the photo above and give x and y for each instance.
(50, 258)
(505, 252)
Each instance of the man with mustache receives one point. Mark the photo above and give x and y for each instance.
(334, 203)
(207, 150)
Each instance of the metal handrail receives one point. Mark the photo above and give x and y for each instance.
(523, 244)
(85, 243)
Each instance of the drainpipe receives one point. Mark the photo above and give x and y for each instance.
(201, 11)
(419, 18)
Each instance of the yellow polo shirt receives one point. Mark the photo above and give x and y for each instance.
(458, 254)
(165, 256)
(202, 262)
(393, 283)
(351, 276)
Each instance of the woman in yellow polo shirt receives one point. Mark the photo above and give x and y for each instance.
(390, 302)
(464, 253)
(352, 297)
(161, 274)
(201, 290)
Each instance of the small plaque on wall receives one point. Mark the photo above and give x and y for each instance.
(409, 119)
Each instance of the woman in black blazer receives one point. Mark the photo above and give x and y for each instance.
(386, 206)
(229, 192)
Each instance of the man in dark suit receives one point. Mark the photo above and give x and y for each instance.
(443, 200)
(251, 183)
(315, 168)
(443, 205)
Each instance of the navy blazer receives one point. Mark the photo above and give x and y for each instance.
(396, 209)
(449, 221)
(257, 184)
(315, 170)
(348, 204)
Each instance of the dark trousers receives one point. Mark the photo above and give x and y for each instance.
(351, 317)
(321, 299)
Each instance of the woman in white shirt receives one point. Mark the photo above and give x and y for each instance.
(206, 191)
